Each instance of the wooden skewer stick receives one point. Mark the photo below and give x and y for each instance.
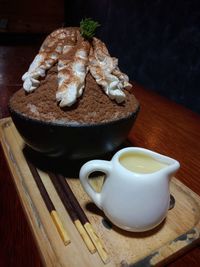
(49, 204)
(72, 213)
(84, 220)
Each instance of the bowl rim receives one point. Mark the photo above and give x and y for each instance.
(73, 124)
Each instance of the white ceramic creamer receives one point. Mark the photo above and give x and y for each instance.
(135, 194)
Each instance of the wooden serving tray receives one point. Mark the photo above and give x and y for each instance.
(175, 235)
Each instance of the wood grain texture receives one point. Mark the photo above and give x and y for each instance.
(161, 125)
(18, 247)
(179, 231)
(32, 16)
(170, 129)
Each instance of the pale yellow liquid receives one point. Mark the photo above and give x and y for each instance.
(140, 163)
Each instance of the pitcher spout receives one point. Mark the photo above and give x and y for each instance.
(173, 167)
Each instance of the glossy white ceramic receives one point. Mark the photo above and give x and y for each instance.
(131, 200)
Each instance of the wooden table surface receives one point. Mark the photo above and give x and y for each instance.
(162, 126)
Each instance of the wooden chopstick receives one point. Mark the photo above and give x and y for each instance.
(49, 204)
(72, 212)
(83, 218)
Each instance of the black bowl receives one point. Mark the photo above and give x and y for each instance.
(75, 141)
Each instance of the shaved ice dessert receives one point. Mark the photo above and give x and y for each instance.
(74, 79)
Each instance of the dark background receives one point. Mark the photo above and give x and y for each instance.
(157, 42)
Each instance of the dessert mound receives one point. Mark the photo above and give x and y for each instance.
(75, 80)
(93, 106)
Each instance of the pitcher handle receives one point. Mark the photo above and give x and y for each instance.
(89, 167)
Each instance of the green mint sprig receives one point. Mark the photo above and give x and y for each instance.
(88, 28)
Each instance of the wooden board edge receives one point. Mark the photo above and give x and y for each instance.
(194, 196)
(171, 250)
(163, 255)
(180, 245)
(5, 122)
